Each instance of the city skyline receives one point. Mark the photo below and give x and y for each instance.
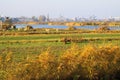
(66, 8)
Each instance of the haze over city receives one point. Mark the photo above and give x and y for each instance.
(56, 8)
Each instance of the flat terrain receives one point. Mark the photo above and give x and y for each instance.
(23, 45)
(25, 57)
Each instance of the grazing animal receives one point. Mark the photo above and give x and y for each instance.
(66, 40)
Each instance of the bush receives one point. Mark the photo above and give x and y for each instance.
(100, 62)
(103, 28)
(71, 28)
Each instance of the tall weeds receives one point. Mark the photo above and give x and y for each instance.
(90, 62)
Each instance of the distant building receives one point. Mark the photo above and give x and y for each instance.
(14, 20)
(34, 18)
(8, 21)
(117, 18)
(42, 18)
(8, 24)
(48, 19)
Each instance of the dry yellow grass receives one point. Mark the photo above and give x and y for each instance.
(79, 63)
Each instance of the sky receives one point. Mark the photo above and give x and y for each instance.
(56, 8)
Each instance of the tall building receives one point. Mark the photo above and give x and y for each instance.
(48, 19)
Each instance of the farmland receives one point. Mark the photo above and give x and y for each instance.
(23, 54)
(55, 40)
(35, 44)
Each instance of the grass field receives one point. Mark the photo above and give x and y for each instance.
(35, 44)
(17, 51)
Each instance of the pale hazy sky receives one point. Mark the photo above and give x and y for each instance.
(55, 8)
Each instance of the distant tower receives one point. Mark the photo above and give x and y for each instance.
(48, 19)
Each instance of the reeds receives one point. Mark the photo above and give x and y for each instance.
(90, 62)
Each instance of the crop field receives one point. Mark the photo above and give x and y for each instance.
(48, 57)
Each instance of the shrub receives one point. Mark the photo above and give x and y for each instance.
(88, 63)
(103, 28)
(68, 63)
(71, 28)
(100, 62)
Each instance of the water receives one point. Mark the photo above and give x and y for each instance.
(96, 27)
(87, 27)
(42, 26)
(64, 27)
